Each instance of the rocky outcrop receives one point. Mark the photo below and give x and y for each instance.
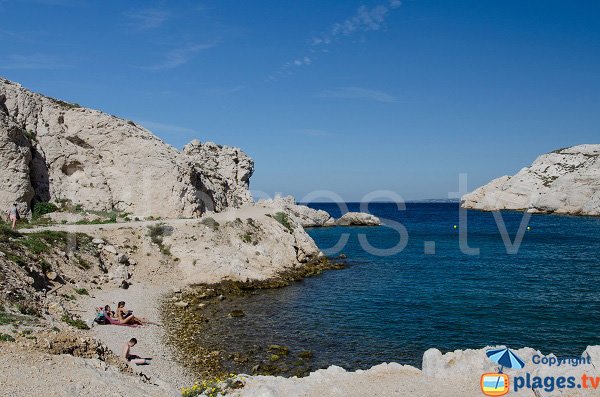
(310, 217)
(566, 181)
(51, 150)
(306, 216)
(358, 219)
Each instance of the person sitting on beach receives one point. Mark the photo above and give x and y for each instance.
(126, 316)
(132, 358)
(108, 312)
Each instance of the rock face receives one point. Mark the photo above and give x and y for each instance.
(566, 181)
(52, 151)
(358, 219)
(306, 216)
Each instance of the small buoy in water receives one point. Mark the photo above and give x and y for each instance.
(456, 227)
(528, 227)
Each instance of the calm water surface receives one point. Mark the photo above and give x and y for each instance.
(393, 308)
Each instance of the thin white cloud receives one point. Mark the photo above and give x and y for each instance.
(33, 61)
(145, 19)
(366, 19)
(179, 56)
(357, 93)
(163, 127)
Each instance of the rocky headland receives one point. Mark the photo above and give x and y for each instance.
(566, 181)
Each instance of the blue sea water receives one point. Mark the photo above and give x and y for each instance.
(393, 308)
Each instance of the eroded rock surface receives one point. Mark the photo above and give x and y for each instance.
(51, 150)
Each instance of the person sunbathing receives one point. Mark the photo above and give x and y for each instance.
(126, 316)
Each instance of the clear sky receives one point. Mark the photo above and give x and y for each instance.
(349, 96)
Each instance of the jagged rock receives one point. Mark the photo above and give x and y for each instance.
(119, 273)
(56, 309)
(358, 219)
(181, 304)
(566, 181)
(97, 241)
(15, 157)
(51, 149)
(122, 258)
(307, 217)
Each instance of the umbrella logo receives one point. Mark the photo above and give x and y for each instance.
(498, 384)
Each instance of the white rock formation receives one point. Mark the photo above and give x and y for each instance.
(306, 216)
(52, 150)
(239, 244)
(455, 373)
(358, 219)
(566, 181)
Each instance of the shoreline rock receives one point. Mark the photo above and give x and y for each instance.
(358, 219)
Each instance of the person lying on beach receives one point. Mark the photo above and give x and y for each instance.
(132, 358)
(126, 316)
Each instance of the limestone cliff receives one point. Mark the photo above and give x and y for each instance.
(51, 150)
(566, 181)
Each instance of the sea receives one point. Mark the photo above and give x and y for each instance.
(412, 287)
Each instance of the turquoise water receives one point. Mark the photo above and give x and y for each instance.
(393, 308)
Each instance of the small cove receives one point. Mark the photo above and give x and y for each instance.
(393, 308)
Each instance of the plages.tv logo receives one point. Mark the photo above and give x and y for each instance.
(498, 384)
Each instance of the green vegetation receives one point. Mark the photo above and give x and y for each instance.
(77, 323)
(247, 237)
(42, 241)
(282, 218)
(43, 208)
(81, 291)
(6, 318)
(65, 105)
(213, 387)
(157, 233)
(6, 233)
(6, 338)
(210, 222)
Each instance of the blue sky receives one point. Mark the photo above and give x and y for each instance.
(350, 96)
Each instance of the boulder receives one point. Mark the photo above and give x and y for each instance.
(306, 216)
(358, 219)
(110, 248)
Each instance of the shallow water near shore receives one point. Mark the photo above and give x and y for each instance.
(393, 308)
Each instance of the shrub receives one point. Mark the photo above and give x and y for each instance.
(77, 323)
(81, 291)
(43, 208)
(282, 218)
(156, 234)
(210, 222)
(6, 338)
